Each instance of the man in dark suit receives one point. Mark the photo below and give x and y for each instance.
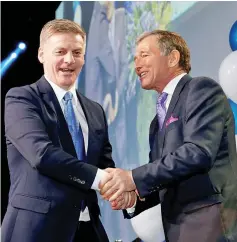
(192, 168)
(57, 145)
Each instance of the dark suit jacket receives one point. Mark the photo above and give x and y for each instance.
(193, 165)
(47, 181)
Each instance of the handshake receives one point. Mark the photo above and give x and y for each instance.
(118, 187)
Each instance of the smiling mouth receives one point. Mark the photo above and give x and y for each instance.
(143, 74)
(66, 70)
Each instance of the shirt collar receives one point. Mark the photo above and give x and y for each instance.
(170, 87)
(60, 92)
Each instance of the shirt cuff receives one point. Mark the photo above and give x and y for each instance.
(99, 176)
(132, 209)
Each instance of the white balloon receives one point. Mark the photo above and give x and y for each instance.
(148, 225)
(228, 76)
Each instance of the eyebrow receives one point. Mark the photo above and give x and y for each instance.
(80, 48)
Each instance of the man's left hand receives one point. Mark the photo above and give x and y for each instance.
(128, 201)
(122, 181)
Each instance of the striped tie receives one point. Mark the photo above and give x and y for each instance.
(160, 108)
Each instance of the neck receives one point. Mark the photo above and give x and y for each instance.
(169, 78)
(66, 88)
(173, 75)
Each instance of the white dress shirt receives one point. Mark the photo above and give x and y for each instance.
(148, 225)
(170, 87)
(80, 116)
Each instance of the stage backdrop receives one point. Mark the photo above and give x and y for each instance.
(108, 76)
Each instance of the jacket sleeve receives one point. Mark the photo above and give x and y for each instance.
(150, 201)
(203, 129)
(26, 130)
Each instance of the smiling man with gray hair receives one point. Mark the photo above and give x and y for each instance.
(192, 169)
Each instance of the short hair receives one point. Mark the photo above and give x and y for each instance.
(60, 26)
(169, 41)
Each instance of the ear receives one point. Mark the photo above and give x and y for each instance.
(40, 55)
(174, 58)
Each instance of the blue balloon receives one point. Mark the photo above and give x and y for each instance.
(233, 36)
(234, 109)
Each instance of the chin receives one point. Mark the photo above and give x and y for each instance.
(145, 86)
(65, 84)
(68, 80)
(146, 83)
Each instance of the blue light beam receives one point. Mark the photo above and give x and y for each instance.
(7, 62)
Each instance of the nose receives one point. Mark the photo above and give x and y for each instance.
(69, 58)
(138, 66)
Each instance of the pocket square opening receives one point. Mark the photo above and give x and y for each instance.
(171, 120)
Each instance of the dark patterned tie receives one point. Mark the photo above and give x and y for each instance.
(160, 108)
(75, 130)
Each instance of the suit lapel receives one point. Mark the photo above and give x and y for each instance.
(50, 100)
(153, 139)
(172, 105)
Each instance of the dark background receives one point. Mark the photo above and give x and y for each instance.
(20, 21)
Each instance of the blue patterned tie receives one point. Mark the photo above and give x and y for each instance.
(74, 126)
(75, 130)
(160, 108)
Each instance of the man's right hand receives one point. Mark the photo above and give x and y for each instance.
(123, 201)
(105, 178)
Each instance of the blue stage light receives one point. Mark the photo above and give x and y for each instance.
(7, 62)
(13, 55)
(21, 45)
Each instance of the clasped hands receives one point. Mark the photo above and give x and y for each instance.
(118, 188)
